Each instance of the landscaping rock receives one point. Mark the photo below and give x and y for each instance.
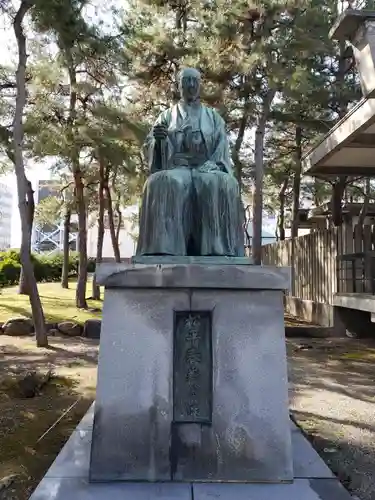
(32, 383)
(53, 332)
(51, 326)
(18, 327)
(6, 481)
(70, 328)
(91, 328)
(28, 385)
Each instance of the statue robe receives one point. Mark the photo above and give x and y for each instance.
(191, 203)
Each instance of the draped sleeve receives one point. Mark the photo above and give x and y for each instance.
(221, 151)
(216, 138)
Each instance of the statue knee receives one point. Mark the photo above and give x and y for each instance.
(229, 183)
(180, 178)
(219, 180)
(155, 179)
(173, 179)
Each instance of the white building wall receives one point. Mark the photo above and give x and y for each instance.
(127, 243)
(6, 209)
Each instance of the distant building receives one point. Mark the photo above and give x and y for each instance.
(49, 238)
(6, 209)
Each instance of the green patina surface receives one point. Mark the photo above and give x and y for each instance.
(191, 202)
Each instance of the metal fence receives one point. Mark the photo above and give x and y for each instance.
(356, 273)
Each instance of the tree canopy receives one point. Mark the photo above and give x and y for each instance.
(91, 78)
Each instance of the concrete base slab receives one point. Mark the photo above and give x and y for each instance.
(300, 489)
(67, 478)
(306, 461)
(80, 489)
(74, 459)
(87, 423)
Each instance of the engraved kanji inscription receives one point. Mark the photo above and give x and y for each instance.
(192, 377)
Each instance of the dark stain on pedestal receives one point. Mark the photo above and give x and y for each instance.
(131, 447)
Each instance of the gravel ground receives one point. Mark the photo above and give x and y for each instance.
(332, 396)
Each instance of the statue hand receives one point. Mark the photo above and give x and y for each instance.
(209, 166)
(160, 131)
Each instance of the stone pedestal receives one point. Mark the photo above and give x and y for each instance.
(145, 427)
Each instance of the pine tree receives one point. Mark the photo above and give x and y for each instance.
(252, 56)
(77, 106)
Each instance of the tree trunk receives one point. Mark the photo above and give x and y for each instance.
(368, 186)
(100, 240)
(238, 144)
(119, 224)
(30, 204)
(112, 230)
(82, 240)
(259, 174)
(281, 219)
(364, 210)
(247, 218)
(297, 181)
(338, 190)
(78, 187)
(65, 268)
(22, 186)
(258, 196)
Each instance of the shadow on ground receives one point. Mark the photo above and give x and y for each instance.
(344, 366)
(332, 395)
(16, 311)
(80, 352)
(24, 420)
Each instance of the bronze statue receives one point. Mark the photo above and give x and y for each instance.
(191, 202)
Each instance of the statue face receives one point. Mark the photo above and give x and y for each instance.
(189, 87)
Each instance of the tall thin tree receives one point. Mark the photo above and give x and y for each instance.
(22, 186)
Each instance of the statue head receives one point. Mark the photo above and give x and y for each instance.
(189, 84)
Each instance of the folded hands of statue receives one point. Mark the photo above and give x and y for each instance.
(208, 167)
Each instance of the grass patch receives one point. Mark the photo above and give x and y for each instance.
(23, 422)
(58, 304)
(359, 356)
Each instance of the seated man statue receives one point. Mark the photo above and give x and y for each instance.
(191, 203)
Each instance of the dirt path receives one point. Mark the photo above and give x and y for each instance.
(332, 394)
(24, 460)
